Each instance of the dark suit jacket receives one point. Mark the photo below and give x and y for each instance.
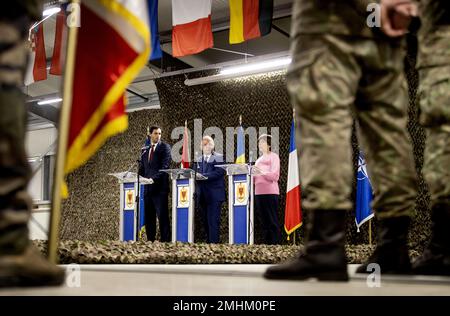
(161, 160)
(214, 188)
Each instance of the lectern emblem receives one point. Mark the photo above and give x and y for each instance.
(129, 199)
(241, 192)
(183, 196)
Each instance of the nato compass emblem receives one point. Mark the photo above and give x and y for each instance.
(362, 170)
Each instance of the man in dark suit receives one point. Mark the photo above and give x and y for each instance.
(156, 203)
(210, 192)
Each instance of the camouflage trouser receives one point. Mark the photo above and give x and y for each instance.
(434, 103)
(335, 79)
(15, 203)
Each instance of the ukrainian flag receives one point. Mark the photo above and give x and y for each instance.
(240, 154)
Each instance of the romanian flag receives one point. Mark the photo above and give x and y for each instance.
(37, 66)
(185, 154)
(113, 44)
(240, 153)
(250, 19)
(292, 213)
(60, 36)
(191, 32)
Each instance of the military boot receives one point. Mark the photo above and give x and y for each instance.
(21, 264)
(391, 253)
(29, 268)
(323, 257)
(435, 260)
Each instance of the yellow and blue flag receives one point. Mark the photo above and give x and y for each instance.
(240, 153)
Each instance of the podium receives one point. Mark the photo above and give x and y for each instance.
(240, 202)
(183, 204)
(129, 220)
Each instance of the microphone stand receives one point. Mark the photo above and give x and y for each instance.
(138, 199)
(250, 199)
(195, 182)
(128, 171)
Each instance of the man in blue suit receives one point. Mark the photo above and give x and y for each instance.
(156, 195)
(210, 192)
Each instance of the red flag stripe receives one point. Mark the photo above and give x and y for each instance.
(56, 64)
(40, 60)
(117, 110)
(251, 19)
(88, 94)
(293, 217)
(192, 38)
(185, 154)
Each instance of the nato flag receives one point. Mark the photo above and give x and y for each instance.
(364, 194)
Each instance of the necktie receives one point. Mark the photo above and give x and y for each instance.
(150, 157)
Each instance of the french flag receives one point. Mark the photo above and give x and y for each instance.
(191, 32)
(292, 214)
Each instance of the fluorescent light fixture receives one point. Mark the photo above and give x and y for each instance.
(50, 101)
(258, 67)
(243, 70)
(51, 11)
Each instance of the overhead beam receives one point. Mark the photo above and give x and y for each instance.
(46, 111)
(168, 63)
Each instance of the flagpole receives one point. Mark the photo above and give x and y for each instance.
(63, 128)
(293, 119)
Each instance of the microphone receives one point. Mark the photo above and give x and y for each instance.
(250, 158)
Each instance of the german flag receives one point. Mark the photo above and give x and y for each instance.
(250, 19)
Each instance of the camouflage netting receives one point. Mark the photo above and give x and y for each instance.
(92, 211)
(109, 252)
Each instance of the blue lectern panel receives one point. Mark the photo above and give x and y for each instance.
(128, 223)
(240, 217)
(182, 224)
(128, 214)
(182, 217)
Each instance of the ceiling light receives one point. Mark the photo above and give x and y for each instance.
(243, 70)
(257, 67)
(50, 101)
(51, 11)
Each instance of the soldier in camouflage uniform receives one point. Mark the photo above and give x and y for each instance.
(434, 103)
(20, 263)
(342, 70)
